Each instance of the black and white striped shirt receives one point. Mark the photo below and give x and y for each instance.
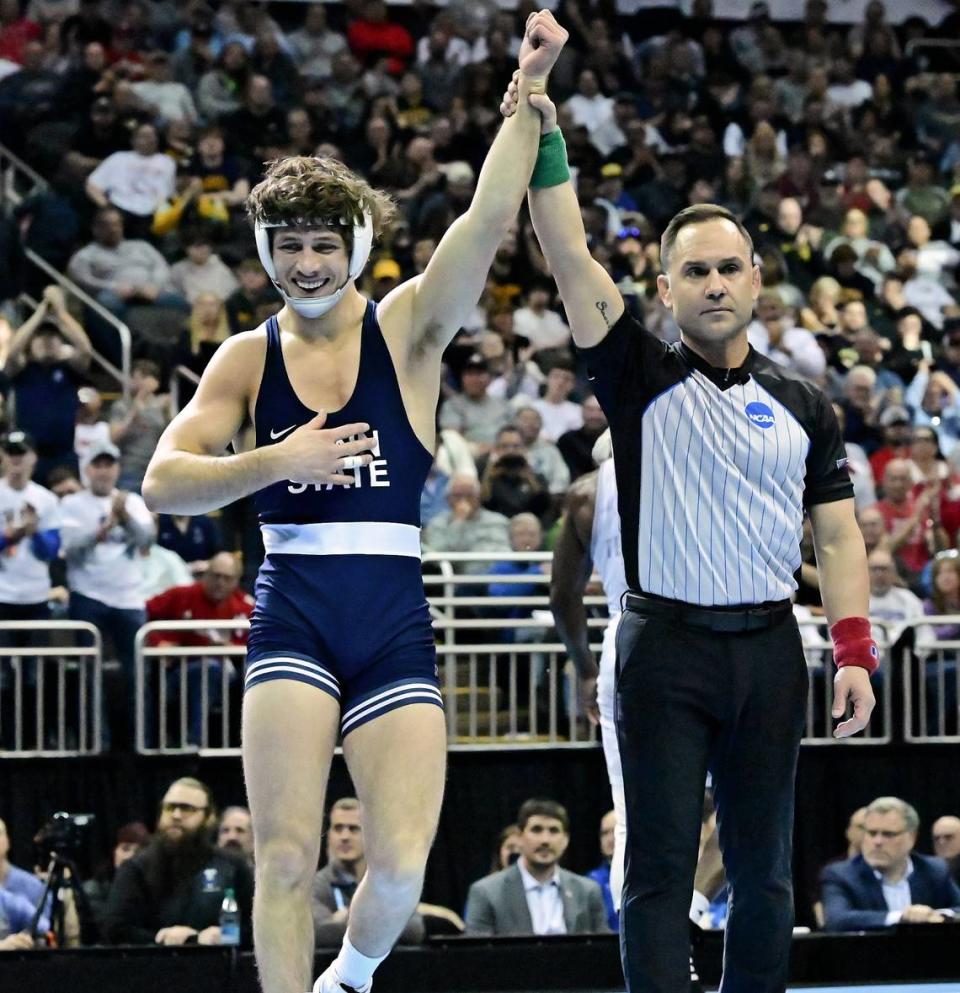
(715, 467)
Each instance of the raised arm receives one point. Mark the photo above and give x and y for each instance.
(189, 473)
(568, 581)
(72, 329)
(436, 304)
(590, 297)
(21, 338)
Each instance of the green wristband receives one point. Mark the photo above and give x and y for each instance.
(551, 168)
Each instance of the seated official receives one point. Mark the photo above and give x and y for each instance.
(172, 891)
(888, 883)
(536, 896)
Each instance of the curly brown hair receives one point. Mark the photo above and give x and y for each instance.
(303, 190)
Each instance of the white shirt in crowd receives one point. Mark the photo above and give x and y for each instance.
(897, 896)
(23, 577)
(558, 418)
(110, 571)
(897, 604)
(545, 902)
(546, 330)
(799, 352)
(85, 436)
(136, 183)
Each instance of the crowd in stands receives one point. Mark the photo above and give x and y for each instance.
(168, 887)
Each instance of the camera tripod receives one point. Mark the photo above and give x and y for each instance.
(62, 875)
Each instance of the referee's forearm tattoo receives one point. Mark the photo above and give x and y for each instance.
(602, 307)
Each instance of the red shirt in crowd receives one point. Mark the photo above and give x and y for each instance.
(191, 603)
(14, 37)
(370, 40)
(914, 552)
(880, 458)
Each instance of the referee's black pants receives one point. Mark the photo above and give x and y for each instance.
(689, 700)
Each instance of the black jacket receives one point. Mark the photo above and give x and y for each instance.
(135, 912)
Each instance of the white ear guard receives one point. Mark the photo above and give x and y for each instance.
(309, 307)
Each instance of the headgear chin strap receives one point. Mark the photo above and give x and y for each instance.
(308, 306)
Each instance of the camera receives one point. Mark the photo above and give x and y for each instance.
(64, 835)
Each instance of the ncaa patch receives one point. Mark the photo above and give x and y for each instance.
(843, 463)
(759, 414)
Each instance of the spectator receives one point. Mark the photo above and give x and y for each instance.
(858, 465)
(195, 539)
(889, 883)
(213, 597)
(102, 134)
(63, 481)
(119, 272)
(137, 182)
(136, 424)
(934, 258)
(235, 833)
(889, 602)
(559, 413)
(544, 456)
(946, 842)
(895, 423)
(102, 529)
(452, 457)
(254, 301)
(161, 570)
(508, 483)
(131, 839)
(912, 520)
(314, 45)
(466, 526)
(207, 328)
(474, 413)
(15, 880)
(372, 37)
(874, 529)
(508, 848)
(259, 126)
(576, 446)
(16, 921)
(536, 896)
(45, 377)
(30, 539)
(922, 195)
(385, 276)
(860, 405)
(220, 90)
(90, 428)
(171, 892)
(166, 99)
(601, 875)
(202, 271)
(773, 333)
(874, 258)
(542, 327)
(335, 884)
(935, 401)
(223, 184)
(590, 108)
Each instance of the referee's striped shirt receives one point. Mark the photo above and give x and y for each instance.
(714, 467)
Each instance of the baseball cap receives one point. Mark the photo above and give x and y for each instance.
(17, 443)
(386, 269)
(103, 449)
(611, 170)
(894, 415)
(476, 363)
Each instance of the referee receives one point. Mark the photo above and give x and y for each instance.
(719, 453)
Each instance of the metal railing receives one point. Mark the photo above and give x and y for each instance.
(181, 373)
(819, 724)
(931, 682)
(59, 686)
(18, 181)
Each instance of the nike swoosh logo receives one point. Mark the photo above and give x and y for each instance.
(279, 434)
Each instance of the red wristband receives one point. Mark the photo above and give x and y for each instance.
(853, 644)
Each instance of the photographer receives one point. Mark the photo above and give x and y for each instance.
(508, 484)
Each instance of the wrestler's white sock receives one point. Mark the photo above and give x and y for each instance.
(354, 968)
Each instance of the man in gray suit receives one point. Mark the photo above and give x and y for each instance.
(536, 896)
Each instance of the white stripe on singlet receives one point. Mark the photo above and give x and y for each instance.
(606, 548)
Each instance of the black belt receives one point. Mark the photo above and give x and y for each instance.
(723, 619)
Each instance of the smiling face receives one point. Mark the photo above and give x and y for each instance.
(710, 284)
(310, 262)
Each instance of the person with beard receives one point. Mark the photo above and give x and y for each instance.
(235, 832)
(170, 893)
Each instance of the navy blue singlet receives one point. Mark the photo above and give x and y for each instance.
(340, 603)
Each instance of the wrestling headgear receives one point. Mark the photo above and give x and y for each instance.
(310, 307)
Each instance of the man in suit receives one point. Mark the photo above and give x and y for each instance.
(888, 883)
(536, 896)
